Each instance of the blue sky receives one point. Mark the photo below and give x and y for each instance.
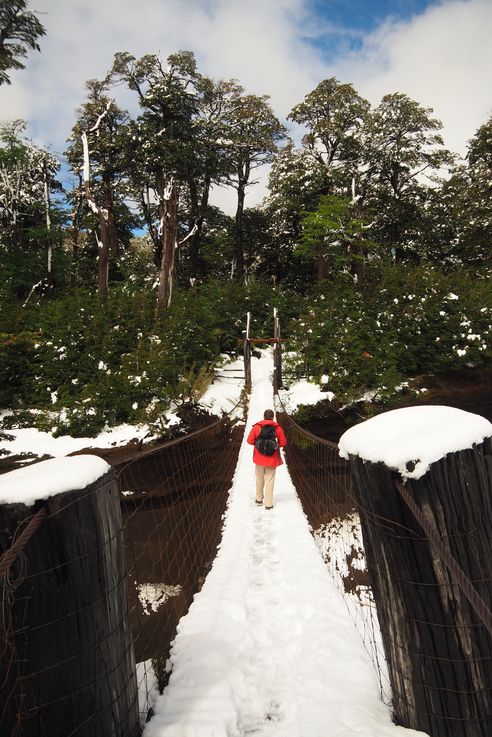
(350, 21)
(436, 51)
(368, 14)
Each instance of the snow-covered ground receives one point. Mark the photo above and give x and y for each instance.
(37, 442)
(268, 647)
(221, 396)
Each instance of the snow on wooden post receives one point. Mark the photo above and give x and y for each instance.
(66, 658)
(247, 354)
(422, 478)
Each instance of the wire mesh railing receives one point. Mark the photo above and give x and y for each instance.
(173, 502)
(83, 568)
(323, 483)
(430, 572)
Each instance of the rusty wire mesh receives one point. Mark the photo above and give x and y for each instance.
(74, 577)
(438, 646)
(322, 480)
(173, 502)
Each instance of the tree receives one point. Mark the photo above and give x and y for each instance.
(162, 140)
(27, 181)
(253, 136)
(459, 213)
(335, 115)
(296, 182)
(19, 31)
(98, 143)
(209, 163)
(476, 235)
(403, 151)
(331, 231)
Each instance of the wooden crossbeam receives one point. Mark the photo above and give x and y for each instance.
(264, 340)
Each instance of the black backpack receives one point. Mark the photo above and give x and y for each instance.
(266, 442)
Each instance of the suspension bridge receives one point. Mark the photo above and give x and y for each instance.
(245, 619)
(268, 632)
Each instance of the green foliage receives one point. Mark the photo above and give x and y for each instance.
(16, 355)
(19, 31)
(408, 263)
(402, 323)
(331, 229)
(86, 364)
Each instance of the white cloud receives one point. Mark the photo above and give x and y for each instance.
(441, 58)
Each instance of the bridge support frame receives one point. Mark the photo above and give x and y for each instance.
(436, 637)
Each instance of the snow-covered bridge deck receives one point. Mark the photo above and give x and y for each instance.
(268, 648)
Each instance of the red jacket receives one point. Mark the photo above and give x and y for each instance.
(260, 459)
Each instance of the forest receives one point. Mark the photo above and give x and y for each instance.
(120, 293)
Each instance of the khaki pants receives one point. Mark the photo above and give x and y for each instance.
(265, 478)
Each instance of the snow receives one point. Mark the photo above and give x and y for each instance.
(267, 647)
(409, 440)
(303, 393)
(47, 478)
(154, 595)
(223, 394)
(30, 440)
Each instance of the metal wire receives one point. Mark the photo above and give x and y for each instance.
(453, 691)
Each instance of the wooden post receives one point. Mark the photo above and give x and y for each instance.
(276, 353)
(247, 354)
(66, 657)
(438, 648)
(279, 356)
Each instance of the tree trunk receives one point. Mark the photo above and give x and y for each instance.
(195, 240)
(396, 252)
(436, 645)
(103, 248)
(238, 242)
(74, 237)
(356, 247)
(47, 205)
(66, 659)
(112, 229)
(169, 225)
(103, 242)
(153, 232)
(357, 265)
(75, 255)
(320, 264)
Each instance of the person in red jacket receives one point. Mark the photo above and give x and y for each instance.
(265, 465)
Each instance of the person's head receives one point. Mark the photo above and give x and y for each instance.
(268, 414)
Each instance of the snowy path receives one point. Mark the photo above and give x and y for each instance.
(267, 648)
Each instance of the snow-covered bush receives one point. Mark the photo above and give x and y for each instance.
(401, 323)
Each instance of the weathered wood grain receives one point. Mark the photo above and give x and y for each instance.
(65, 646)
(439, 653)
